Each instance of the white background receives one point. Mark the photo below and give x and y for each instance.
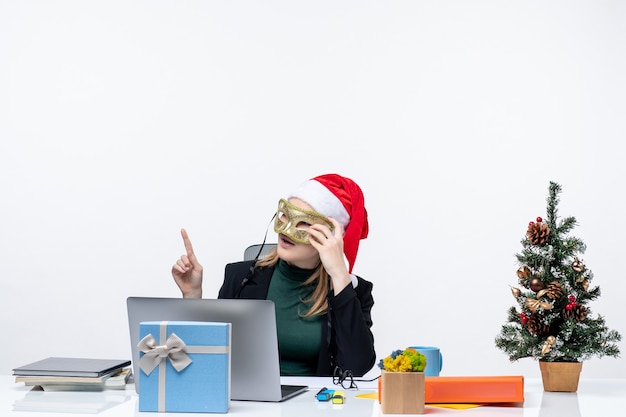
(123, 121)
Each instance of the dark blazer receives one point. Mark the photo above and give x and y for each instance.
(352, 342)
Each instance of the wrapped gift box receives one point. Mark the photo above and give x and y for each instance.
(184, 366)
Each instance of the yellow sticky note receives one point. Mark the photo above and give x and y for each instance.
(374, 396)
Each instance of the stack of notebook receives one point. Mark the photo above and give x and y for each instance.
(74, 374)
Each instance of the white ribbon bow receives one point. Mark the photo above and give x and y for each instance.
(174, 349)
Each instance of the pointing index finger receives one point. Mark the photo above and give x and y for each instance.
(187, 242)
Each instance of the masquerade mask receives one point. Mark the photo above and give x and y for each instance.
(290, 219)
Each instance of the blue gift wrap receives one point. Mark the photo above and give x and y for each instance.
(185, 366)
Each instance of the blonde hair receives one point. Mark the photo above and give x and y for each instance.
(318, 300)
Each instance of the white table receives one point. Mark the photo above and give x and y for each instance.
(595, 398)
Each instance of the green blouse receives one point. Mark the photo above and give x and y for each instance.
(299, 338)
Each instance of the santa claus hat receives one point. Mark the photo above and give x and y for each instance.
(342, 199)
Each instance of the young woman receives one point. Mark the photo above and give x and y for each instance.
(323, 312)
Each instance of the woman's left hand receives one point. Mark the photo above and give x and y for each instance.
(329, 244)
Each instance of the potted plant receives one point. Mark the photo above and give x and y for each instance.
(552, 322)
(401, 386)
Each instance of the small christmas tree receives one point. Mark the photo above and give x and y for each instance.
(554, 322)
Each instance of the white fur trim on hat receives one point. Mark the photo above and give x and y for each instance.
(322, 200)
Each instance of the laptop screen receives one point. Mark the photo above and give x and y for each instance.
(255, 370)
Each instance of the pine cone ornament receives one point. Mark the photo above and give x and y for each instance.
(553, 290)
(577, 312)
(536, 325)
(538, 233)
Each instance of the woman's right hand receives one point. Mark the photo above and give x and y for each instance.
(187, 271)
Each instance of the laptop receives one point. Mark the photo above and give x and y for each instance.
(255, 370)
